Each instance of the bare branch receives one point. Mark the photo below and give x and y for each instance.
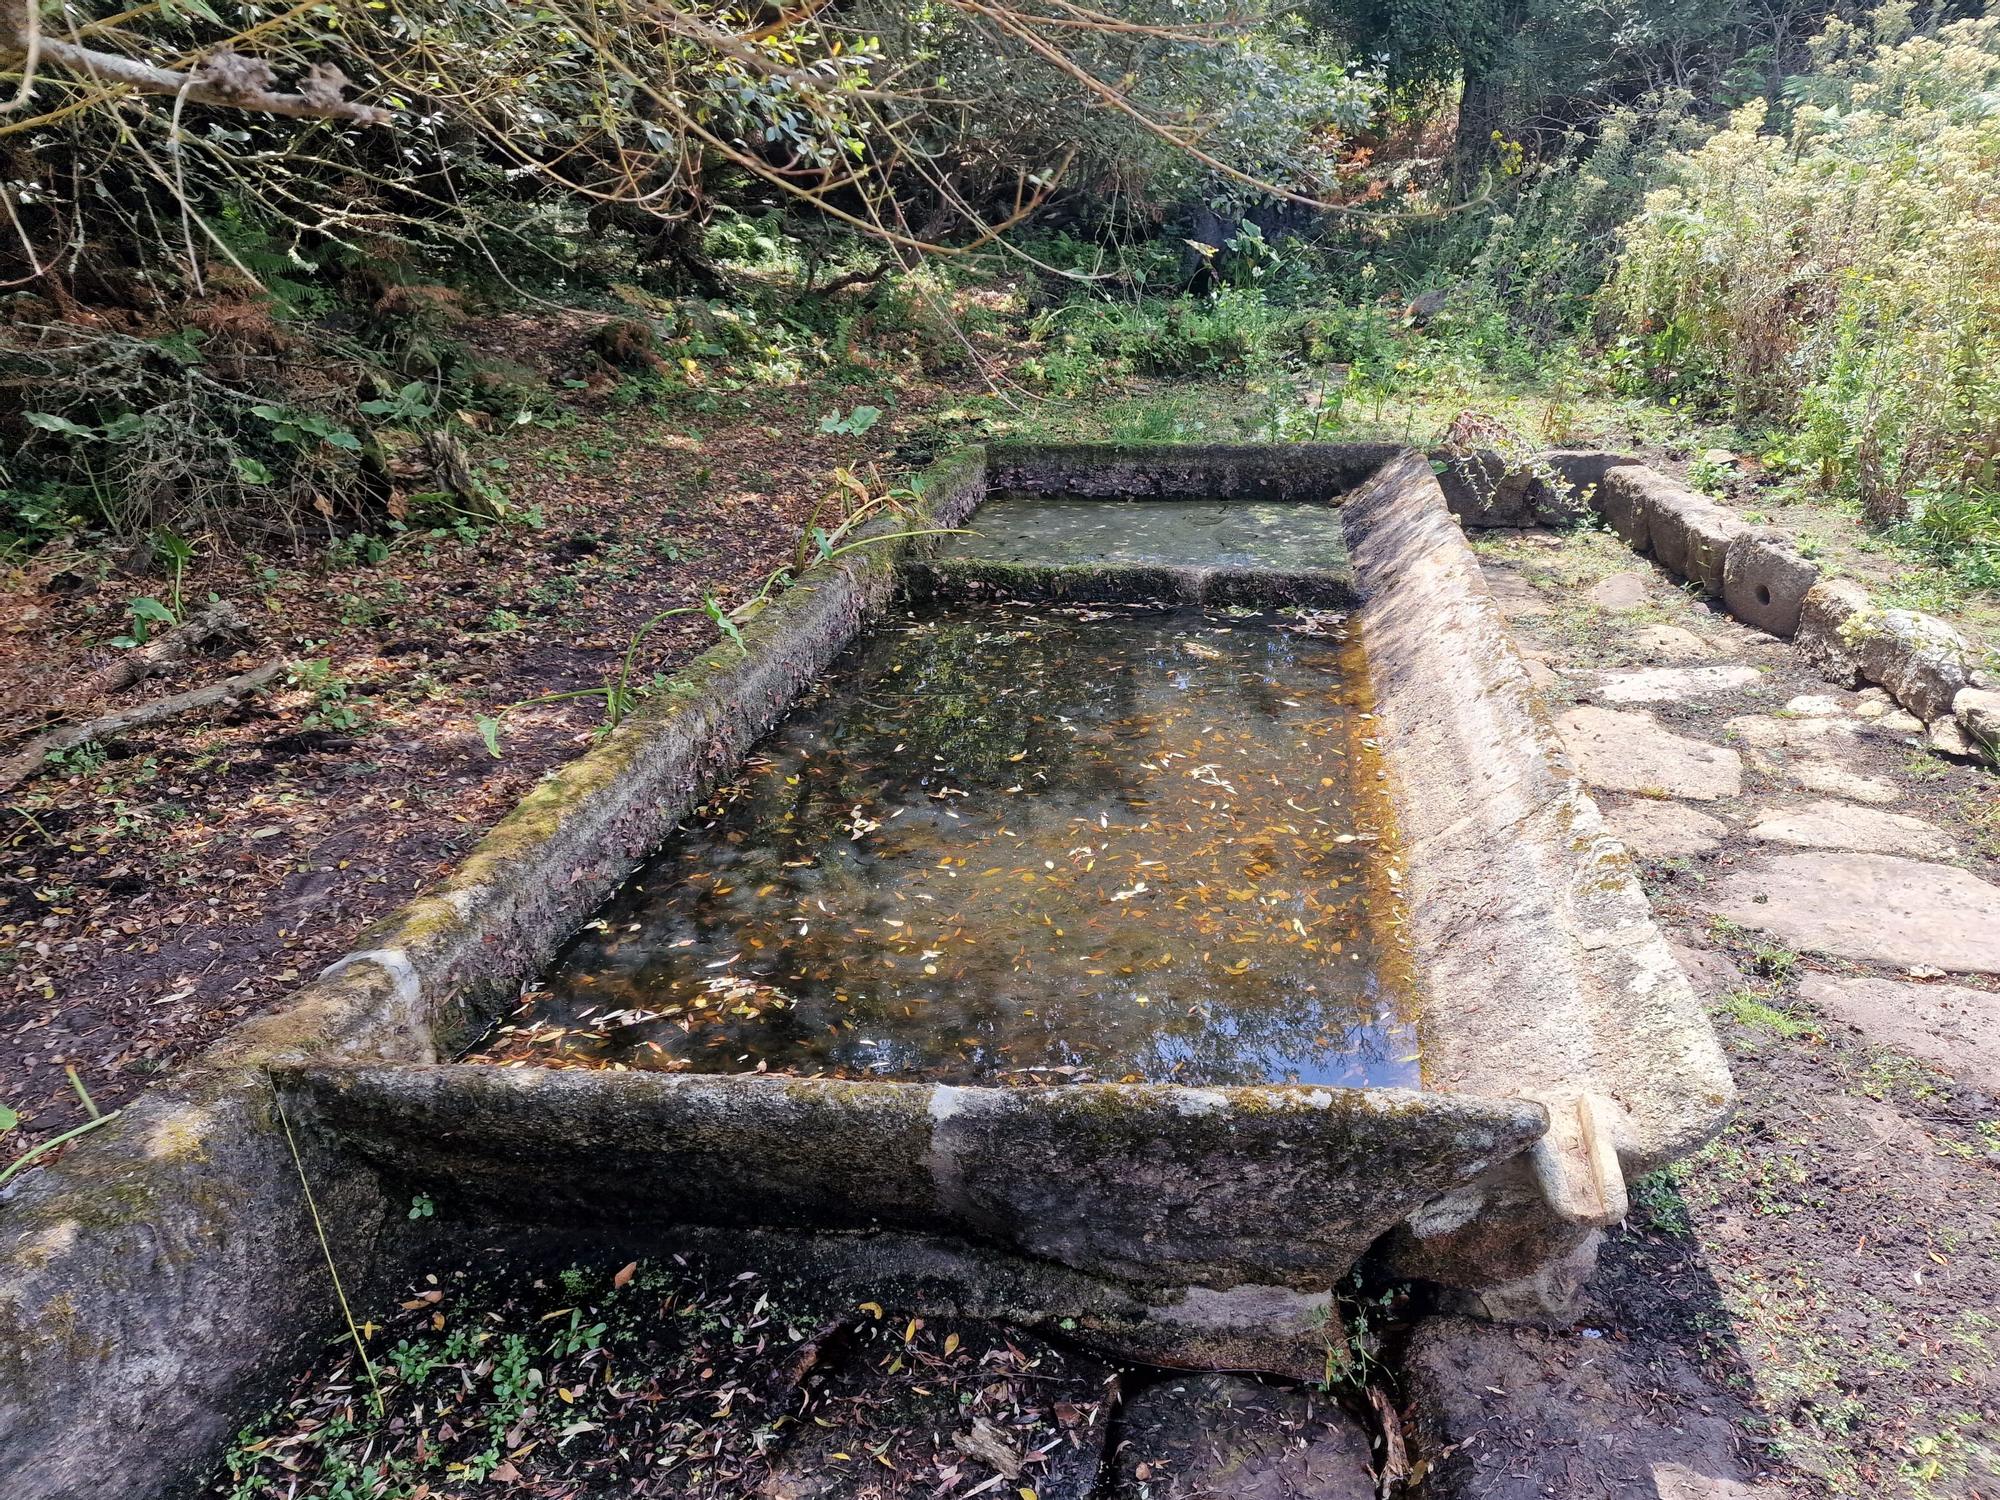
(222, 78)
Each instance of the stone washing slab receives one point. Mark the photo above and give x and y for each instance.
(1872, 908)
(1634, 752)
(1956, 1028)
(1154, 1184)
(1836, 825)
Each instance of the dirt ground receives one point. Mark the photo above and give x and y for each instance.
(157, 891)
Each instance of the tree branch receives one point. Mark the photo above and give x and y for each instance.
(222, 78)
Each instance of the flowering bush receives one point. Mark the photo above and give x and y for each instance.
(1839, 270)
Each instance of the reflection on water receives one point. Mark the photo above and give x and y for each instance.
(1054, 529)
(1022, 845)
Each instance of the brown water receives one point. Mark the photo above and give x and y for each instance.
(1005, 844)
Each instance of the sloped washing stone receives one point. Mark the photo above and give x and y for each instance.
(1674, 684)
(1922, 661)
(1830, 780)
(1690, 535)
(1517, 598)
(1634, 752)
(1873, 908)
(1206, 1437)
(1837, 825)
(1627, 498)
(1665, 830)
(1978, 713)
(1947, 1024)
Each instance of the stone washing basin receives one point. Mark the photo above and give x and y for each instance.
(1561, 1049)
(172, 1269)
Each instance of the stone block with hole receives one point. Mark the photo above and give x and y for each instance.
(1764, 581)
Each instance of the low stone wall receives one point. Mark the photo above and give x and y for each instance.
(1758, 574)
(166, 1267)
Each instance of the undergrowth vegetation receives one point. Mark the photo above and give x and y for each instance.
(1833, 266)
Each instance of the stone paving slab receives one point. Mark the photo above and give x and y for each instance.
(1225, 1437)
(1621, 593)
(1634, 752)
(1828, 779)
(1873, 908)
(1947, 1024)
(1670, 643)
(1673, 684)
(1840, 825)
(1665, 830)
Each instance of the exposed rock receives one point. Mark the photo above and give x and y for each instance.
(1836, 825)
(1873, 703)
(1632, 752)
(1515, 1414)
(1670, 643)
(1665, 830)
(1223, 1437)
(1824, 613)
(1711, 973)
(1922, 661)
(1619, 594)
(1673, 684)
(1518, 599)
(1806, 732)
(1764, 581)
(1691, 535)
(1873, 908)
(1978, 713)
(1947, 738)
(1830, 780)
(1956, 1028)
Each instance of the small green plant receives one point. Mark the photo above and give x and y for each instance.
(10, 1120)
(332, 707)
(853, 423)
(422, 1207)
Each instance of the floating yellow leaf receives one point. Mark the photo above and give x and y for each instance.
(873, 1309)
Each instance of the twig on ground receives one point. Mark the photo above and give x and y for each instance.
(37, 751)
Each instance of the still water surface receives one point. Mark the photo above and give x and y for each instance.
(1005, 844)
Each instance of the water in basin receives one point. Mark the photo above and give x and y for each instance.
(1041, 530)
(1005, 844)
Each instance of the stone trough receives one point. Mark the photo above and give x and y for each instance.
(168, 1266)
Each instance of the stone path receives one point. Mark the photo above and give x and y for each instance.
(1781, 1313)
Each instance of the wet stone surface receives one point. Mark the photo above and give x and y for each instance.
(1041, 530)
(1015, 845)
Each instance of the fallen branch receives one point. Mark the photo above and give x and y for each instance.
(197, 630)
(37, 751)
(224, 77)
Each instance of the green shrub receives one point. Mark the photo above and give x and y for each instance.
(1837, 268)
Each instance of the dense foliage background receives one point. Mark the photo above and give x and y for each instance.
(226, 321)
